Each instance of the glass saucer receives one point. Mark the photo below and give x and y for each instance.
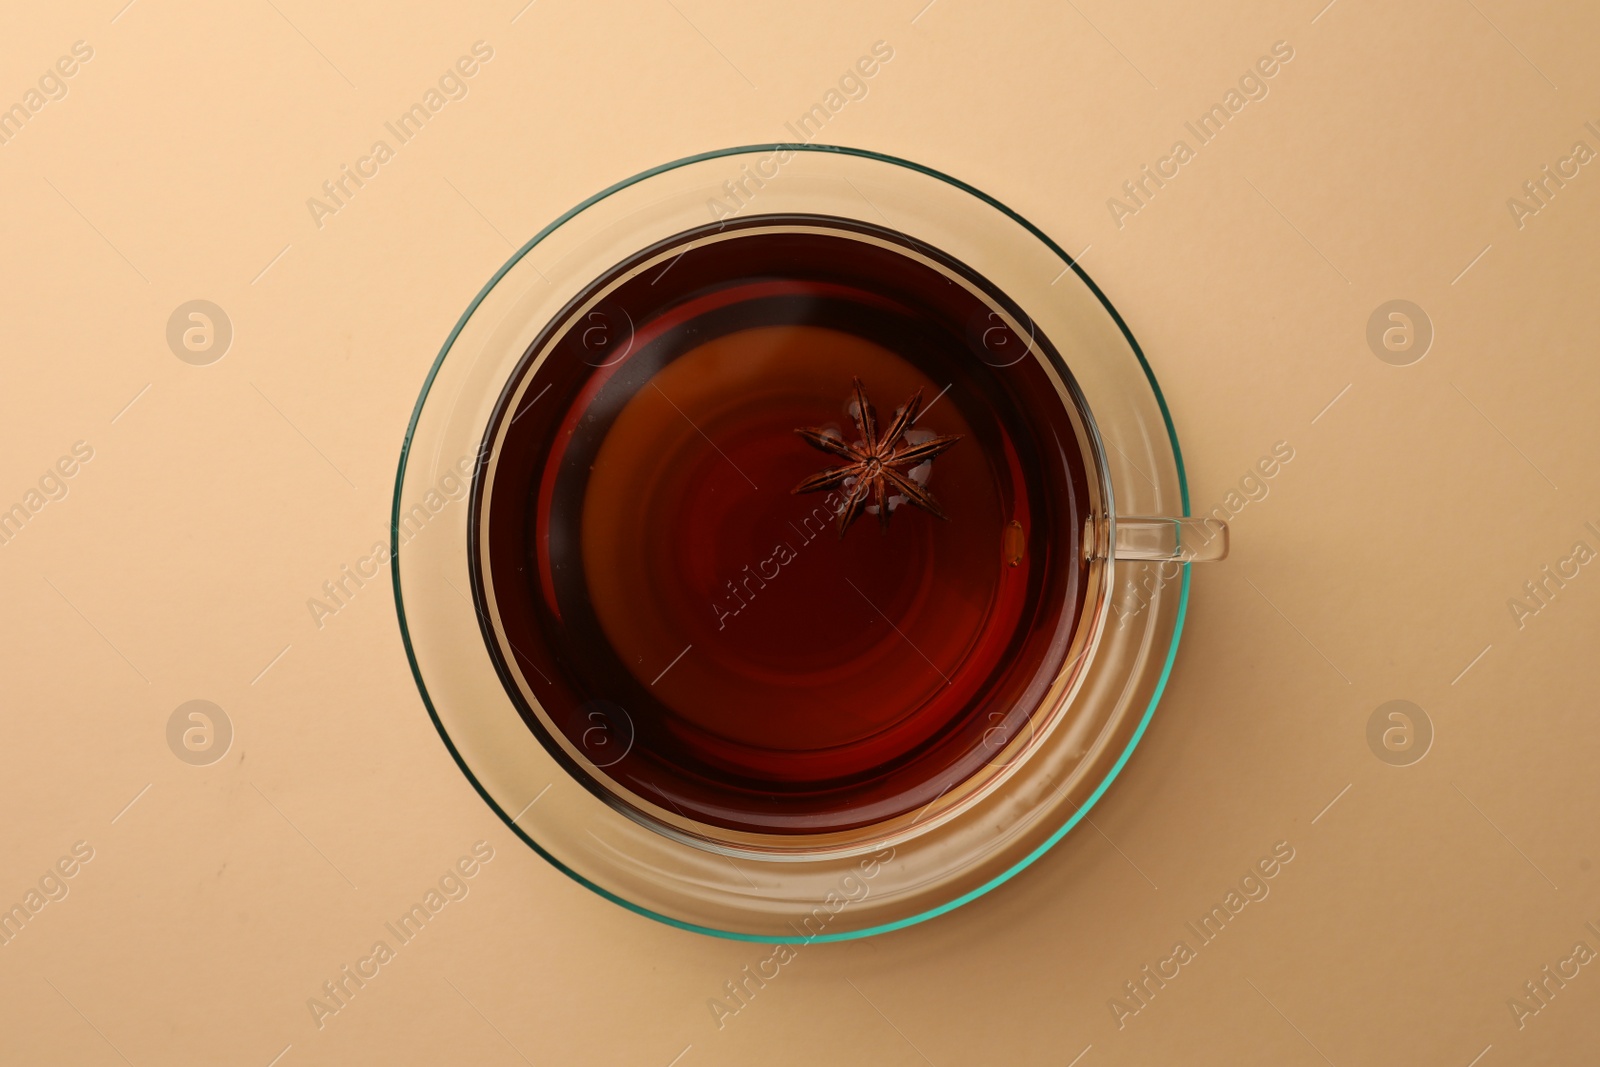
(956, 849)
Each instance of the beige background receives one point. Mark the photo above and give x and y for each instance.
(1378, 568)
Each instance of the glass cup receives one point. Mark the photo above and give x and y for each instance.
(1032, 781)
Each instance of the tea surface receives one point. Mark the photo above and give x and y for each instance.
(708, 639)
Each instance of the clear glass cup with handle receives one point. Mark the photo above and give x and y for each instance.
(1138, 543)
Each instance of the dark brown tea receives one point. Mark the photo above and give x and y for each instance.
(674, 619)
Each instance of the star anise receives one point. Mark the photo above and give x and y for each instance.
(877, 465)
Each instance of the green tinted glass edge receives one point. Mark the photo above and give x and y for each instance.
(416, 672)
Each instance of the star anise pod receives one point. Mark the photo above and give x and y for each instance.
(877, 465)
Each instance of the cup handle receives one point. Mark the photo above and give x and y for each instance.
(1140, 537)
